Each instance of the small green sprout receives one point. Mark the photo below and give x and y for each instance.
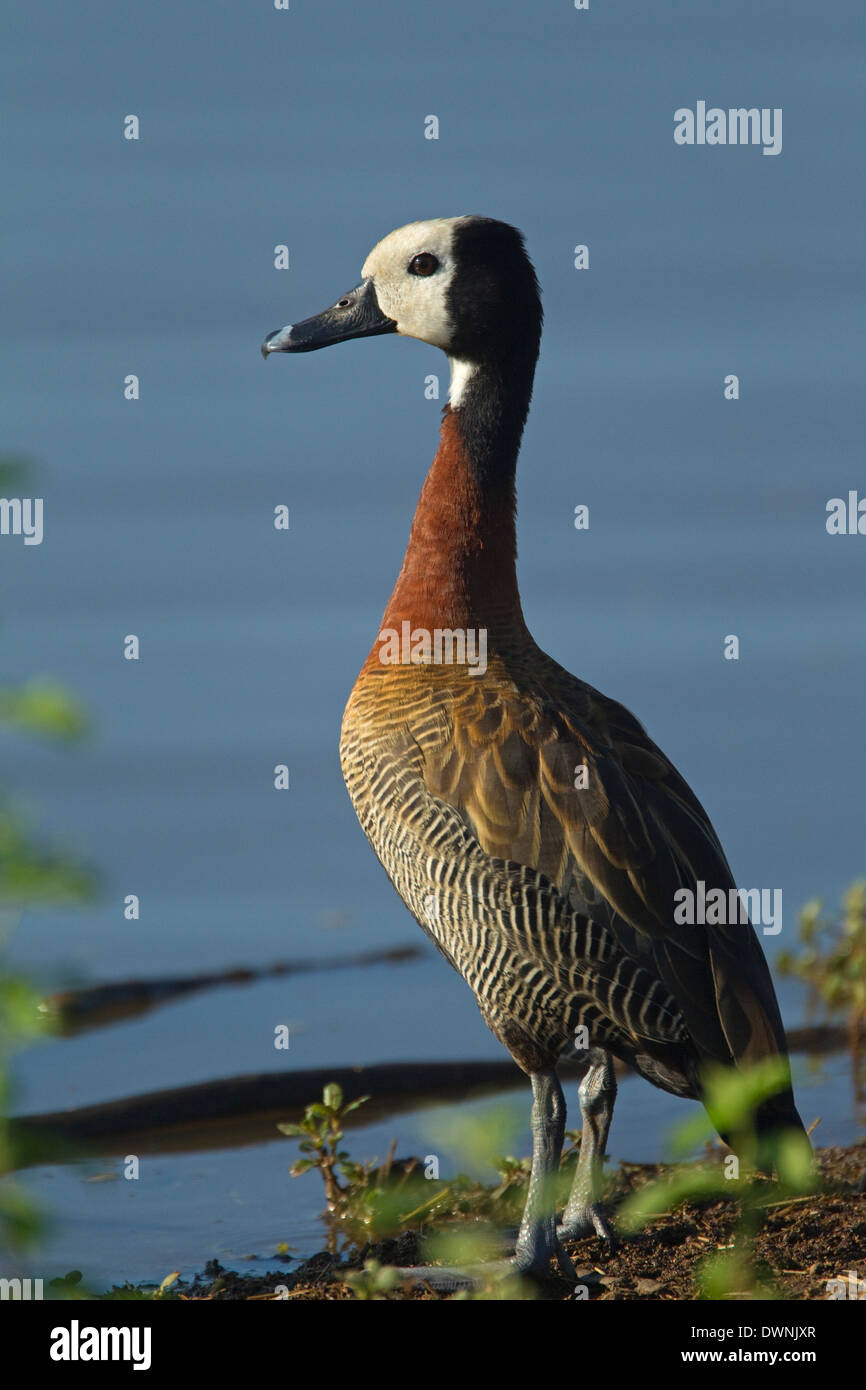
(321, 1134)
(374, 1281)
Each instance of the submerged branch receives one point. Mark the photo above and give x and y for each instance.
(241, 1110)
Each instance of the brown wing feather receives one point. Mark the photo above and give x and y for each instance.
(619, 848)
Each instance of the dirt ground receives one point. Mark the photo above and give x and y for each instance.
(802, 1245)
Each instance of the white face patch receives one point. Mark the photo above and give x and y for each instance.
(418, 304)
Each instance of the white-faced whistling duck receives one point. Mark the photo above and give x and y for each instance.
(551, 893)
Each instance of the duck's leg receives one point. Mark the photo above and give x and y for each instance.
(597, 1093)
(537, 1241)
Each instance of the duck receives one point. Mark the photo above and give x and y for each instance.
(535, 832)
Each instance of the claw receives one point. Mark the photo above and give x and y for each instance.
(590, 1221)
(536, 1249)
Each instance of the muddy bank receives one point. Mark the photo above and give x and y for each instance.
(804, 1245)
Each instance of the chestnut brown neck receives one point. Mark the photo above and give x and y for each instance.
(459, 570)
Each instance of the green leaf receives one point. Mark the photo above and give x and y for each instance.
(353, 1105)
(45, 708)
(795, 1163)
(333, 1096)
(303, 1165)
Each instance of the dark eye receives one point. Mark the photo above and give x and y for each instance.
(423, 264)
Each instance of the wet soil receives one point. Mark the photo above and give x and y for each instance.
(802, 1246)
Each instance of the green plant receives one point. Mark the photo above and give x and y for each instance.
(832, 963)
(32, 874)
(374, 1281)
(321, 1134)
(373, 1200)
(732, 1100)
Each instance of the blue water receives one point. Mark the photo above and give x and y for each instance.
(707, 516)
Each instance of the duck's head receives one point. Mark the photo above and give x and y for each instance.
(463, 284)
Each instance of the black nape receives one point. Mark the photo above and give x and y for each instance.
(495, 307)
(494, 299)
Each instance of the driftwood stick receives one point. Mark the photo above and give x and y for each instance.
(77, 1011)
(246, 1109)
